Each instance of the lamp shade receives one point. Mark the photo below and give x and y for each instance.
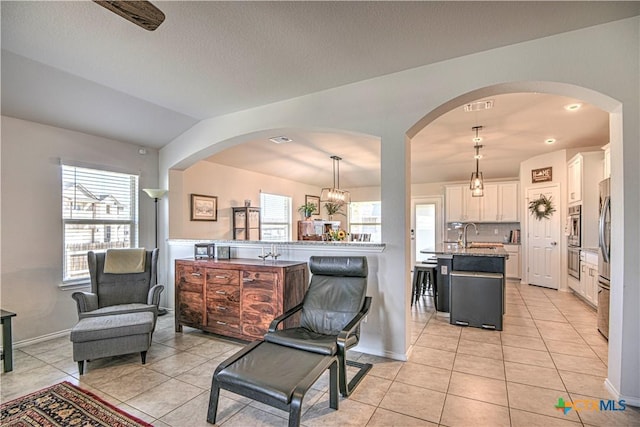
(335, 195)
(155, 193)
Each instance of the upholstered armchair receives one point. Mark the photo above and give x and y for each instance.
(118, 292)
(331, 312)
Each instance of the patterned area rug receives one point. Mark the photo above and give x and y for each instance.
(64, 405)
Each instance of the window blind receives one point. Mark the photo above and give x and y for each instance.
(276, 217)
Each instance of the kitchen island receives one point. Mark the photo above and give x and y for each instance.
(470, 283)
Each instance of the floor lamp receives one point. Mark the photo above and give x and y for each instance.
(156, 194)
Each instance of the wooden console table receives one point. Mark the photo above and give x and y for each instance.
(236, 297)
(7, 340)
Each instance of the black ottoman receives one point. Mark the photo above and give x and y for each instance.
(274, 375)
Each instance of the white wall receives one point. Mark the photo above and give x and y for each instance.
(394, 106)
(232, 186)
(31, 268)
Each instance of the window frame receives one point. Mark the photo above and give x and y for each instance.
(132, 222)
(377, 225)
(287, 226)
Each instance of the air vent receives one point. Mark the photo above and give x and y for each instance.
(477, 106)
(280, 139)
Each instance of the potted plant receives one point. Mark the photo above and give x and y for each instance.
(333, 209)
(307, 209)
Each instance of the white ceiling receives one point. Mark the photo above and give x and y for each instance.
(78, 66)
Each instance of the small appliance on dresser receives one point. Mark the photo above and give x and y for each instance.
(604, 258)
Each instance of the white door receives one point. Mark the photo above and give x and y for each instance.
(543, 246)
(427, 226)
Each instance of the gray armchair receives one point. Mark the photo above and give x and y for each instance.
(332, 309)
(119, 293)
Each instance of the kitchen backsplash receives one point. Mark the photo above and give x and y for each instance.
(496, 232)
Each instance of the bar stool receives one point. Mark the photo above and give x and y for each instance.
(424, 276)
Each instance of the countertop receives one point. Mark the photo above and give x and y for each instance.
(454, 249)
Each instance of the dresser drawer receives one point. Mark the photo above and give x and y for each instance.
(222, 277)
(258, 279)
(190, 278)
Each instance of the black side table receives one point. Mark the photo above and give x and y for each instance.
(7, 341)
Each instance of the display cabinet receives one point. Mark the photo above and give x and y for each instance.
(246, 223)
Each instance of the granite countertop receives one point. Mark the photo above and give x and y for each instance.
(454, 249)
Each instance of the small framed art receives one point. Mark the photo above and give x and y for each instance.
(315, 200)
(204, 208)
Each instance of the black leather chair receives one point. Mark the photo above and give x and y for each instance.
(332, 309)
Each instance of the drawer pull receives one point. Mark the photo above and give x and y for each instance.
(221, 292)
(221, 308)
(247, 280)
(196, 274)
(221, 323)
(221, 277)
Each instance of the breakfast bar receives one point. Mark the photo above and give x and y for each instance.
(471, 284)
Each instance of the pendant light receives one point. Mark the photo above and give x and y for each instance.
(477, 182)
(335, 194)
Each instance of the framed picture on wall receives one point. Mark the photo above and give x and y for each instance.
(314, 200)
(204, 208)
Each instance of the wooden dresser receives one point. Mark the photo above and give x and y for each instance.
(237, 297)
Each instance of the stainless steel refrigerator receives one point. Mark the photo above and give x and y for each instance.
(604, 257)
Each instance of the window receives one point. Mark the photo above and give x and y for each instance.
(99, 212)
(365, 218)
(275, 222)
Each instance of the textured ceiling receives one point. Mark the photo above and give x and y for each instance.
(78, 66)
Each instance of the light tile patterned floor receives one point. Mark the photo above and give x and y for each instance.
(455, 376)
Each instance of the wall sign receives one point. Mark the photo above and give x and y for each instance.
(541, 175)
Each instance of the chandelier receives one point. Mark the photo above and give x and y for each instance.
(477, 182)
(335, 194)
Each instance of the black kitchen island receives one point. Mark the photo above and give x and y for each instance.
(471, 284)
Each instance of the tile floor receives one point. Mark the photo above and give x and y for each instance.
(455, 376)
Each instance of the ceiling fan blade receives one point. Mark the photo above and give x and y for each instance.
(141, 13)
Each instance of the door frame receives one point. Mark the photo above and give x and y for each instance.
(440, 221)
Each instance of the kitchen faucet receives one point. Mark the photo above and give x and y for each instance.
(464, 234)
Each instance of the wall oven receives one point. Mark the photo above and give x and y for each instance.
(573, 261)
(574, 219)
(573, 241)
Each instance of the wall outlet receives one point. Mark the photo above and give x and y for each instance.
(495, 231)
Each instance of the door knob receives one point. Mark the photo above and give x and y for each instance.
(554, 243)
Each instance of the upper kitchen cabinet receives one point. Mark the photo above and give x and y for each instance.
(606, 164)
(582, 169)
(499, 203)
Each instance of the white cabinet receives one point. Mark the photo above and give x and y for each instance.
(606, 165)
(588, 288)
(574, 176)
(499, 203)
(513, 262)
(454, 201)
(508, 202)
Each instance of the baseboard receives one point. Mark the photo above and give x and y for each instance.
(30, 341)
(377, 352)
(629, 400)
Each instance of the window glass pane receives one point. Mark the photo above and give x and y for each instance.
(425, 229)
(99, 212)
(276, 217)
(365, 221)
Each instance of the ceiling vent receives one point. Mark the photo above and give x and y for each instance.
(280, 139)
(478, 106)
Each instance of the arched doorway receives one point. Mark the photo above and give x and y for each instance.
(614, 109)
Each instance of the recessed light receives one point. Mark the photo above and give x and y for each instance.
(280, 139)
(573, 107)
(550, 141)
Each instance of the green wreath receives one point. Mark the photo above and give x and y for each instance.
(541, 208)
